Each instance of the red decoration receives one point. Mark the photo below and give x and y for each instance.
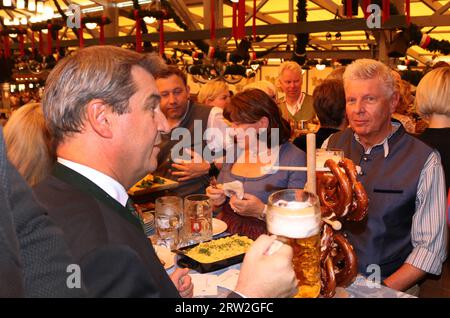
(425, 41)
(102, 31)
(161, 37)
(254, 20)
(6, 46)
(49, 39)
(138, 32)
(80, 36)
(240, 33)
(41, 43)
(366, 3)
(32, 41)
(21, 44)
(407, 11)
(234, 25)
(57, 41)
(386, 10)
(349, 6)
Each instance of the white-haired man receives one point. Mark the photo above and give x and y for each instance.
(404, 235)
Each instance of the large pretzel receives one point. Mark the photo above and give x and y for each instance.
(342, 197)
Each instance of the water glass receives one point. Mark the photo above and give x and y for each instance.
(169, 221)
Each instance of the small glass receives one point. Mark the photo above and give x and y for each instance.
(323, 155)
(197, 219)
(168, 221)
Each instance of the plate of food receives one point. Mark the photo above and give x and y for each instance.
(150, 184)
(166, 257)
(215, 254)
(218, 226)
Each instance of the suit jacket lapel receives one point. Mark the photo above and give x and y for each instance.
(84, 184)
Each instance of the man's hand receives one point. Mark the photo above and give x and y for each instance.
(250, 205)
(190, 169)
(267, 276)
(183, 282)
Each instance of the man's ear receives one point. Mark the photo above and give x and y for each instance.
(99, 116)
(395, 99)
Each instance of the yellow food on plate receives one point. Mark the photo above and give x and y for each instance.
(220, 249)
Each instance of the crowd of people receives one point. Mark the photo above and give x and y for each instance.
(109, 116)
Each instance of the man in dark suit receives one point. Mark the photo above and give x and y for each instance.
(102, 108)
(34, 259)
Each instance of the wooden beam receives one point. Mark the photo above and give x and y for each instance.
(344, 54)
(258, 7)
(330, 6)
(183, 12)
(442, 9)
(432, 20)
(433, 5)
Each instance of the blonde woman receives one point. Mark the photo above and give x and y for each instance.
(433, 104)
(216, 94)
(28, 143)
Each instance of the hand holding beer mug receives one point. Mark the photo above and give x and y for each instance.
(294, 216)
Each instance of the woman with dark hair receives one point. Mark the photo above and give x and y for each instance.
(262, 138)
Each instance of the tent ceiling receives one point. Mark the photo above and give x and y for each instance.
(270, 12)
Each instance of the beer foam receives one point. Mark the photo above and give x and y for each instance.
(293, 219)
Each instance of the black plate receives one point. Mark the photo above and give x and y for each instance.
(186, 261)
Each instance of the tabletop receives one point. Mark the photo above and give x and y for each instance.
(360, 288)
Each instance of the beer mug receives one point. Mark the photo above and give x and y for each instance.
(323, 155)
(168, 221)
(294, 216)
(197, 219)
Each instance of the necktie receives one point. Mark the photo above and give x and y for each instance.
(129, 205)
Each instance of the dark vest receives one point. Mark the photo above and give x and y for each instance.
(384, 237)
(197, 116)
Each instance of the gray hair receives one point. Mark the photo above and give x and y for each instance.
(365, 69)
(96, 72)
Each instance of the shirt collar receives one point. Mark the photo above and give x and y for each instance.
(395, 126)
(106, 183)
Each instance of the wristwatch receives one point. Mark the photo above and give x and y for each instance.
(213, 170)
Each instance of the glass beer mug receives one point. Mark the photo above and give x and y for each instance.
(168, 220)
(294, 216)
(197, 219)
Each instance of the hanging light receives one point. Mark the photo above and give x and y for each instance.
(23, 21)
(48, 12)
(320, 66)
(7, 3)
(91, 25)
(40, 7)
(20, 4)
(31, 5)
(149, 20)
(235, 1)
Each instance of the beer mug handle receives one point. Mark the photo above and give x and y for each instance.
(276, 245)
